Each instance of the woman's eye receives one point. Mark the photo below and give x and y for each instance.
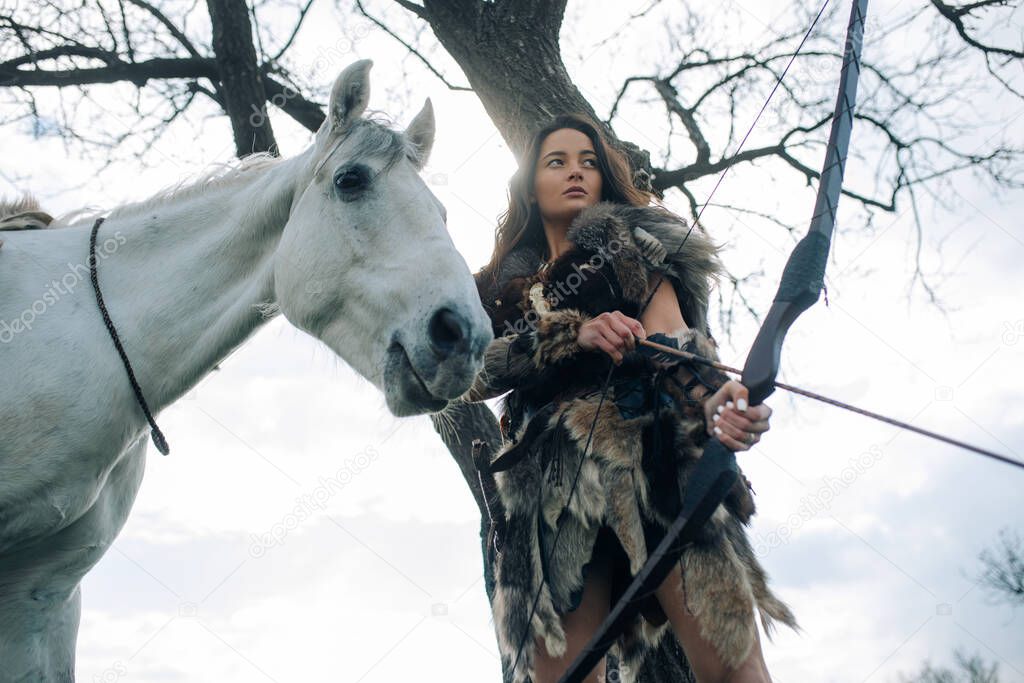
(591, 161)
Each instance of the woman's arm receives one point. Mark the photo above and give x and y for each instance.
(524, 358)
(728, 416)
(663, 313)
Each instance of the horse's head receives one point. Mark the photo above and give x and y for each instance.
(366, 264)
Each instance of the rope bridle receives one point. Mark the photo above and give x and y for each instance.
(158, 436)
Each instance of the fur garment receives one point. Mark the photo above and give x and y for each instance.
(641, 441)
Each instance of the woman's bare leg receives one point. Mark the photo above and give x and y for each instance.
(704, 661)
(580, 625)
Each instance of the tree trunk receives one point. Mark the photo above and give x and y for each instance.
(511, 56)
(241, 84)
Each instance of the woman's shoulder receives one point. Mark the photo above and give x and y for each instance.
(641, 240)
(659, 234)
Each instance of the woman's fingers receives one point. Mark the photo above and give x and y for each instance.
(737, 394)
(626, 329)
(731, 436)
(632, 328)
(597, 334)
(736, 424)
(732, 444)
(734, 438)
(722, 424)
(729, 415)
(615, 334)
(621, 333)
(607, 344)
(612, 342)
(760, 414)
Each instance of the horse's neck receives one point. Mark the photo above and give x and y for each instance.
(184, 281)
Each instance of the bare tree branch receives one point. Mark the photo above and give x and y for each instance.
(418, 10)
(295, 31)
(379, 24)
(1003, 568)
(169, 25)
(138, 73)
(956, 15)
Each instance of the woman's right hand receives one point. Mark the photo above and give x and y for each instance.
(611, 332)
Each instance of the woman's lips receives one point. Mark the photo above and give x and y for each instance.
(575, 193)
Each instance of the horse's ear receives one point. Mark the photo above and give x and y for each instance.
(421, 132)
(349, 95)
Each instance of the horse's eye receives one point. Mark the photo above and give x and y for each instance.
(351, 180)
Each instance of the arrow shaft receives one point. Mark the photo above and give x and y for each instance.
(835, 402)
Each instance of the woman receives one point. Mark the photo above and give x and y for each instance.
(577, 256)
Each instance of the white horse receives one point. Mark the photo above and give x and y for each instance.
(344, 239)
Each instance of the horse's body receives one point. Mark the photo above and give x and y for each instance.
(345, 240)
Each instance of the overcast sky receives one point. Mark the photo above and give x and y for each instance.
(871, 534)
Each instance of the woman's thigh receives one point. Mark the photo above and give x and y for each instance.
(703, 659)
(580, 625)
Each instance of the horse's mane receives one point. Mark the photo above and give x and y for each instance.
(378, 139)
(23, 213)
(220, 175)
(9, 207)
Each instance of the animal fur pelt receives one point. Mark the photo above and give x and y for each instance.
(649, 432)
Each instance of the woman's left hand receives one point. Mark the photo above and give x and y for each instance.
(736, 424)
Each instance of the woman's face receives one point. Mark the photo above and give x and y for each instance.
(567, 178)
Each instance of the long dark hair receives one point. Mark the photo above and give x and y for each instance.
(522, 221)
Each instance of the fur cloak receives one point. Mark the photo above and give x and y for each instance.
(649, 432)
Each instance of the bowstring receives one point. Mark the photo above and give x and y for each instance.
(721, 176)
(647, 301)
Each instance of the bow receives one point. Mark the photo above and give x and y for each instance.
(801, 285)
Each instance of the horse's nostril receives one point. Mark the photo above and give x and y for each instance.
(447, 331)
